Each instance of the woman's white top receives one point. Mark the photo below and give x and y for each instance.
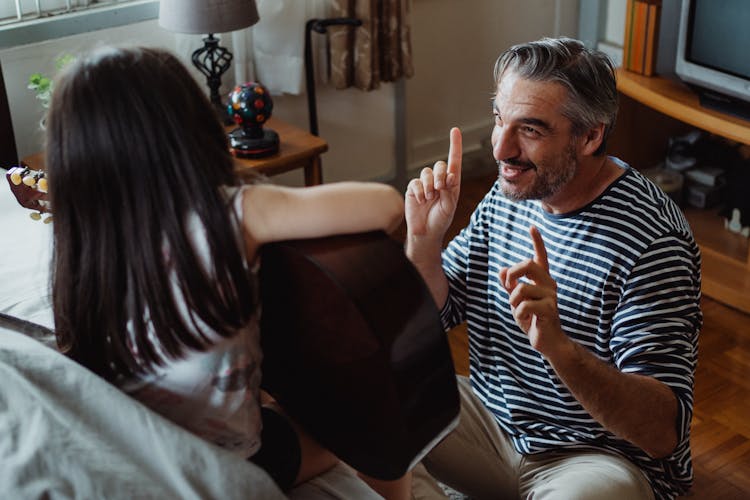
(214, 394)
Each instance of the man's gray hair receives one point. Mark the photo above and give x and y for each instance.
(588, 75)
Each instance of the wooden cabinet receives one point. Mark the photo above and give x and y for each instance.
(652, 109)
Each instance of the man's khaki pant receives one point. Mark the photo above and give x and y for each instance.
(479, 460)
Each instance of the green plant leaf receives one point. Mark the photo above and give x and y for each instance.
(64, 60)
(39, 82)
(43, 85)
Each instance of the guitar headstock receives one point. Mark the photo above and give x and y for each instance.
(30, 189)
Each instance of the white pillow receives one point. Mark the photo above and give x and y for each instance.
(25, 250)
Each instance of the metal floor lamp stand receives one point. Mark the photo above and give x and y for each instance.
(319, 26)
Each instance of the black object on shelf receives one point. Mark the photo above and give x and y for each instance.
(250, 106)
(722, 103)
(319, 26)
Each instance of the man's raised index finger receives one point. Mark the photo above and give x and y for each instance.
(540, 253)
(455, 154)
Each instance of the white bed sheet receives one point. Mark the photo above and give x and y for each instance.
(69, 434)
(25, 252)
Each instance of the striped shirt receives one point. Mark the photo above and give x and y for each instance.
(628, 275)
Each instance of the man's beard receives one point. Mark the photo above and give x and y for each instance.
(548, 181)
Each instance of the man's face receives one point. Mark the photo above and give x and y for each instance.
(532, 141)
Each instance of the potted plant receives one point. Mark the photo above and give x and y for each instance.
(43, 84)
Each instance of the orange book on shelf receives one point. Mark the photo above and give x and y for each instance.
(652, 39)
(641, 36)
(627, 45)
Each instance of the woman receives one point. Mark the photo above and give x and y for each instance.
(155, 257)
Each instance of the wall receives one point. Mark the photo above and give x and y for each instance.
(455, 45)
(455, 49)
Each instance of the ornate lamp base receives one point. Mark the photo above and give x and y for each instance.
(213, 60)
(248, 143)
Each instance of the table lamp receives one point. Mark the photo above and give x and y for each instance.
(209, 17)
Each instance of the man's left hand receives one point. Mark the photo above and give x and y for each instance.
(533, 301)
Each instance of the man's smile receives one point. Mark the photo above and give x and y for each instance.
(512, 171)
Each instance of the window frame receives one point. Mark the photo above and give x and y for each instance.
(73, 23)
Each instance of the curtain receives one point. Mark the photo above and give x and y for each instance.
(378, 51)
(272, 51)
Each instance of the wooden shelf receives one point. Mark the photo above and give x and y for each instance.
(725, 267)
(675, 99)
(725, 280)
(708, 229)
(725, 255)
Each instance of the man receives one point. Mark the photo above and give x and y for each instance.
(579, 281)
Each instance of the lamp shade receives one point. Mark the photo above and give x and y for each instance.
(207, 16)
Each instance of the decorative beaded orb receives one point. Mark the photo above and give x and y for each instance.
(250, 105)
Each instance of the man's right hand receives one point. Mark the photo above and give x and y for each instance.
(431, 199)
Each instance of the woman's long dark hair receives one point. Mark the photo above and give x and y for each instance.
(134, 149)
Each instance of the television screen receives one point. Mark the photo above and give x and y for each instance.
(719, 35)
(713, 51)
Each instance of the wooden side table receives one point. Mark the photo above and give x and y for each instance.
(297, 149)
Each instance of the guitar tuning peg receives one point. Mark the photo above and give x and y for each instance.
(29, 180)
(42, 184)
(47, 220)
(35, 215)
(15, 177)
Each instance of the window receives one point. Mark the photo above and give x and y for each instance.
(13, 11)
(29, 21)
